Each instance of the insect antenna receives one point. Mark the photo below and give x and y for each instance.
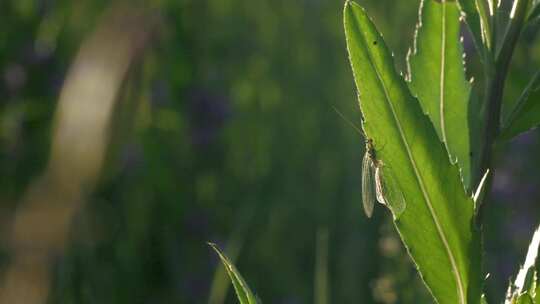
(359, 130)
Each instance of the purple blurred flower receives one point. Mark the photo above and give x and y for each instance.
(207, 114)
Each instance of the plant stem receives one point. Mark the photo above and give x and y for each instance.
(496, 78)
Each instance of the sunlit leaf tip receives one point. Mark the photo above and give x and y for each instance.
(243, 293)
(525, 285)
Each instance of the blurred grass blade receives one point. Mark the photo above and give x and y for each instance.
(321, 292)
(79, 145)
(526, 113)
(436, 225)
(437, 79)
(220, 283)
(243, 293)
(525, 285)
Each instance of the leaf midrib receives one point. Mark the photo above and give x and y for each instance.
(442, 74)
(451, 258)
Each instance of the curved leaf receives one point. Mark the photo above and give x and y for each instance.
(526, 113)
(436, 225)
(243, 293)
(479, 28)
(437, 79)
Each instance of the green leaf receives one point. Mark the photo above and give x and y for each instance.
(534, 12)
(525, 299)
(243, 293)
(220, 283)
(526, 114)
(526, 280)
(479, 28)
(437, 224)
(322, 286)
(437, 79)
(482, 7)
(536, 296)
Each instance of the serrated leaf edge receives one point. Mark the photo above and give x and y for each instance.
(455, 270)
(454, 159)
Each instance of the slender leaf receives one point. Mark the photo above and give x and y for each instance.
(243, 293)
(534, 11)
(436, 225)
(477, 26)
(525, 285)
(526, 114)
(482, 7)
(322, 287)
(437, 79)
(220, 283)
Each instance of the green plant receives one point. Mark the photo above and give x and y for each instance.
(243, 293)
(430, 136)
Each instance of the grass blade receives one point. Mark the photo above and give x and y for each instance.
(322, 283)
(243, 293)
(220, 283)
(437, 223)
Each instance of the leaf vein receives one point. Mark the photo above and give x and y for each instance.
(442, 73)
(434, 216)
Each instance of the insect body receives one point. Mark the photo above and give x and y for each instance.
(378, 183)
(369, 165)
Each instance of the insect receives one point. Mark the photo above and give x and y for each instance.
(369, 169)
(378, 181)
(379, 184)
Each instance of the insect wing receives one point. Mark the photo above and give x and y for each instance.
(379, 187)
(388, 191)
(368, 192)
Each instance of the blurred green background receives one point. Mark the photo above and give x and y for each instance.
(228, 134)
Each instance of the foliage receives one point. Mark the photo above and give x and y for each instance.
(244, 294)
(438, 209)
(438, 80)
(525, 287)
(225, 132)
(525, 114)
(439, 224)
(412, 150)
